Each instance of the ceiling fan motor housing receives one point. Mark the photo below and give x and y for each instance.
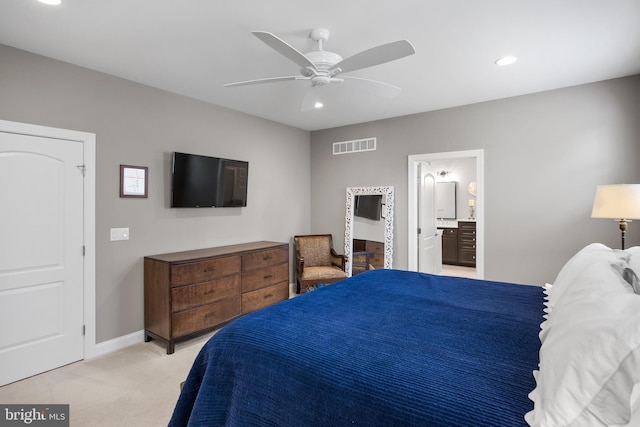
(323, 60)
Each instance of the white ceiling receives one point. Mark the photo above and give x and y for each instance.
(193, 47)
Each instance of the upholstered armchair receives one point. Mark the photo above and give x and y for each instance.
(317, 262)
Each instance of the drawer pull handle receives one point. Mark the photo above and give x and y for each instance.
(266, 258)
(209, 270)
(268, 276)
(268, 296)
(210, 291)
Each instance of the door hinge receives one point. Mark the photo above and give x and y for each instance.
(84, 250)
(83, 169)
(84, 330)
(419, 231)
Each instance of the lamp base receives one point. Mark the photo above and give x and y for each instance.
(623, 229)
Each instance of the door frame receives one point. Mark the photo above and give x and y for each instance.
(412, 199)
(88, 141)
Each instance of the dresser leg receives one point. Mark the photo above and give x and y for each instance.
(171, 346)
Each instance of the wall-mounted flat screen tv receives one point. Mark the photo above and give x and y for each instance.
(205, 182)
(368, 206)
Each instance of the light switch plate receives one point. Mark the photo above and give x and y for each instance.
(119, 234)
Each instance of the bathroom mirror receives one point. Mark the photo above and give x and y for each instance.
(386, 215)
(446, 200)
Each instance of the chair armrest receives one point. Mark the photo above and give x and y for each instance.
(337, 259)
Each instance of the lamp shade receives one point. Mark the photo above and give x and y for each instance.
(620, 201)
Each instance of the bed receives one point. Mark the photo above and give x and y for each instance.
(385, 347)
(391, 347)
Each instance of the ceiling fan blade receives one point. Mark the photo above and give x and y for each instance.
(374, 56)
(267, 80)
(381, 89)
(284, 48)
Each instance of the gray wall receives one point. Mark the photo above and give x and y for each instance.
(545, 154)
(140, 125)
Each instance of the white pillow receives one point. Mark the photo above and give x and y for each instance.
(634, 259)
(590, 254)
(590, 353)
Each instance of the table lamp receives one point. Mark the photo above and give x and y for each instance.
(620, 202)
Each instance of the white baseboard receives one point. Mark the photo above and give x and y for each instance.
(118, 343)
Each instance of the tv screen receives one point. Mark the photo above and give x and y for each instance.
(203, 181)
(368, 206)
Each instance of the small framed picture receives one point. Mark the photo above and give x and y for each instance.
(134, 181)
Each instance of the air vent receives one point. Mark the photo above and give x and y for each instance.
(344, 147)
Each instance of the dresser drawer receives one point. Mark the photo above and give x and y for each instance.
(375, 247)
(255, 300)
(468, 237)
(202, 271)
(264, 277)
(468, 257)
(197, 319)
(185, 297)
(265, 258)
(468, 245)
(467, 228)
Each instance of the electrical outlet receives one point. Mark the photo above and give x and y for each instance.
(119, 234)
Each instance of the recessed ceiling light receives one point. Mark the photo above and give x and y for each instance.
(506, 60)
(51, 2)
(318, 105)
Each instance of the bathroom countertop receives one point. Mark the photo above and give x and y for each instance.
(452, 223)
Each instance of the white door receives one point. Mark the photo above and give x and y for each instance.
(41, 254)
(429, 242)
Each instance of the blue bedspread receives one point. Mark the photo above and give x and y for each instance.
(384, 348)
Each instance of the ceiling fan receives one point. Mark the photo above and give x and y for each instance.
(322, 67)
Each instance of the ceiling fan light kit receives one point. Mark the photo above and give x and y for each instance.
(506, 60)
(321, 67)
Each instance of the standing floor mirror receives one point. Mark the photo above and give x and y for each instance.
(385, 214)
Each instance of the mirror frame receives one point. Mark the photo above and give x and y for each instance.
(388, 192)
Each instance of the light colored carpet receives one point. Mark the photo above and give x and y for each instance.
(458, 270)
(136, 386)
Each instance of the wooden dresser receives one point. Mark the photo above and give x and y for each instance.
(459, 244)
(376, 249)
(186, 293)
(467, 243)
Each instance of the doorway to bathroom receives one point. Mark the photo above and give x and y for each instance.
(433, 211)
